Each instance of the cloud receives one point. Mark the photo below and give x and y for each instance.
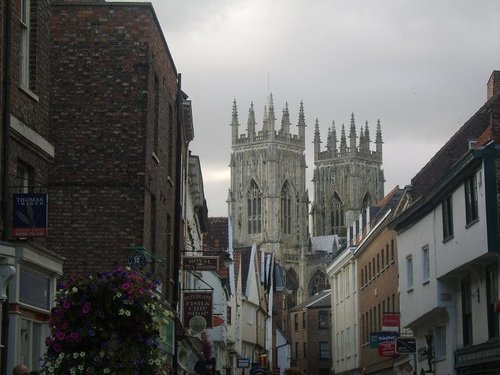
(419, 66)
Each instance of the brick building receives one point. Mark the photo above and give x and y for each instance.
(121, 126)
(310, 334)
(27, 266)
(378, 283)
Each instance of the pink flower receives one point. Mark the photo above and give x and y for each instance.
(86, 308)
(75, 336)
(57, 347)
(60, 335)
(66, 304)
(126, 286)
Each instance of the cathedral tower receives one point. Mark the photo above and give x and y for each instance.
(268, 200)
(347, 180)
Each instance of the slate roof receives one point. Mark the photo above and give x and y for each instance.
(321, 299)
(424, 181)
(325, 243)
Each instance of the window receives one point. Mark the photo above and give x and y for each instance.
(348, 342)
(228, 315)
(250, 314)
(447, 219)
(383, 262)
(31, 342)
(392, 250)
(254, 208)
(471, 213)
(286, 210)
(409, 273)
(337, 215)
(27, 51)
(25, 178)
(426, 264)
(304, 352)
(34, 288)
(296, 350)
(324, 350)
(156, 113)
(440, 343)
(152, 230)
(491, 298)
(303, 320)
(170, 141)
(323, 319)
(296, 321)
(467, 311)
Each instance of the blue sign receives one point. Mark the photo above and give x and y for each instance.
(29, 217)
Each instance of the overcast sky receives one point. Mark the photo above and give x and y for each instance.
(421, 66)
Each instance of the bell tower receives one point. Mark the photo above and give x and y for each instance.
(268, 200)
(347, 180)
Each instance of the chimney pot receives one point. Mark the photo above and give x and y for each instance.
(494, 84)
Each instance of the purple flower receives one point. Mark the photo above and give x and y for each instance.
(86, 308)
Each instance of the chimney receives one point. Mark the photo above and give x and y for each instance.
(494, 84)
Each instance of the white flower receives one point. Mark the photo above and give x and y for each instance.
(74, 289)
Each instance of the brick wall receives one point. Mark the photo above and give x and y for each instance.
(30, 108)
(378, 292)
(105, 58)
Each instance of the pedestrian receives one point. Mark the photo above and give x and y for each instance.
(21, 369)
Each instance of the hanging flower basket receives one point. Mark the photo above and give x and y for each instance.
(107, 323)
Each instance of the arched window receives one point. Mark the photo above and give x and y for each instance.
(286, 209)
(318, 282)
(254, 209)
(337, 215)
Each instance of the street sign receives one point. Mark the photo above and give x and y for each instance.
(406, 345)
(243, 362)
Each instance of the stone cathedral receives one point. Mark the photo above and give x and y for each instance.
(268, 202)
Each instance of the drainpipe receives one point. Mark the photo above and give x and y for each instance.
(7, 271)
(6, 120)
(177, 212)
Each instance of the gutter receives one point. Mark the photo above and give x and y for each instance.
(6, 119)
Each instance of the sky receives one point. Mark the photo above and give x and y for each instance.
(420, 66)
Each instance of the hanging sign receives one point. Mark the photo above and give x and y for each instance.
(198, 304)
(390, 322)
(29, 215)
(207, 263)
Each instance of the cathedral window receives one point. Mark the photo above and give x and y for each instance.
(337, 215)
(254, 208)
(286, 208)
(318, 282)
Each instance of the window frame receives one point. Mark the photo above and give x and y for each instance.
(409, 273)
(447, 214)
(471, 203)
(426, 266)
(324, 353)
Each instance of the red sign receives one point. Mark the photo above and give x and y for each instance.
(386, 349)
(198, 304)
(390, 322)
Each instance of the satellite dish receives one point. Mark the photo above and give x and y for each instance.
(197, 324)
